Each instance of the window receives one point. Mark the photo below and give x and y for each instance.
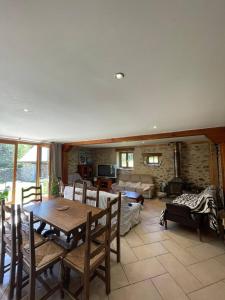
(23, 165)
(126, 160)
(7, 157)
(152, 159)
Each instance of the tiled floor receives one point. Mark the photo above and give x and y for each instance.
(158, 264)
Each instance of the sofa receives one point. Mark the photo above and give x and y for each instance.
(139, 183)
(130, 212)
(75, 177)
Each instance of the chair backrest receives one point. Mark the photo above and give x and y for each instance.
(99, 251)
(94, 197)
(8, 227)
(114, 216)
(76, 192)
(31, 194)
(28, 252)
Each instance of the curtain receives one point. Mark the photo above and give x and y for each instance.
(56, 160)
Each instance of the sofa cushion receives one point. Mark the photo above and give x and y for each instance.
(130, 184)
(122, 183)
(144, 178)
(145, 186)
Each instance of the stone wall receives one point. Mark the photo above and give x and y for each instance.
(74, 158)
(195, 167)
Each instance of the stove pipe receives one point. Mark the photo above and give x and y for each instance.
(177, 168)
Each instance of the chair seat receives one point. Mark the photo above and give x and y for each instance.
(46, 253)
(76, 257)
(38, 239)
(101, 238)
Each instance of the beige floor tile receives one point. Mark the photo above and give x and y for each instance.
(127, 254)
(152, 220)
(141, 229)
(206, 251)
(144, 290)
(168, 288)
(149, 250)
(214, 291)
(97, 290)
(184, 239)
(118, 277)
(133, 239)
(144, 228)
(154, 237)
(221, 259)
(208, 272)
(183, 277)
(143, 269)
(181, 254)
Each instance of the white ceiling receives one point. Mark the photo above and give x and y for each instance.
(57, 58)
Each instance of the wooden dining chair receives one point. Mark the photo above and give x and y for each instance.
(36, 259)
(87, 259)
(31, 194)
(8, 245)
(93, 198)
(78, 184)
(114, 230)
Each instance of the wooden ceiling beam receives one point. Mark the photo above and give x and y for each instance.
(216, 135)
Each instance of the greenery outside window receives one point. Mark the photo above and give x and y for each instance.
(126, 159)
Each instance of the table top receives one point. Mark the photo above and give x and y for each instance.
(132, 195)
(65, 220)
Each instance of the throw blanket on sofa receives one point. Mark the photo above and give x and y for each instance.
(130, 214)
(202, 203)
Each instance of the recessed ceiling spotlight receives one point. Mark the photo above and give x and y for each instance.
(26, 110)
(154, 126)
(119, 75)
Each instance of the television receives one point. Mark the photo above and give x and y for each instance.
(106, 171)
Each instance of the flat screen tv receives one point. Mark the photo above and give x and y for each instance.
(106, 171)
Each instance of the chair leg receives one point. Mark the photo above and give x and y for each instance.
(66, 274)
(107, 274)
(61, 279)
(2, 262)
(118, 248)
(31, 285)
(12, 277)
(199, 234)
(86, 287)
(19, 278)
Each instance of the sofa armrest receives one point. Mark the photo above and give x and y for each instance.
(114, 185)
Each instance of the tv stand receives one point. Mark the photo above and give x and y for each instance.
(104, 183)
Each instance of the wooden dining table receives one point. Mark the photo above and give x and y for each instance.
(68, 221)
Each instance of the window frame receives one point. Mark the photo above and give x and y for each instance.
(120, 159)
(38, 163)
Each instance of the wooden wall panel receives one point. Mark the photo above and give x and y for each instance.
(222, 150)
